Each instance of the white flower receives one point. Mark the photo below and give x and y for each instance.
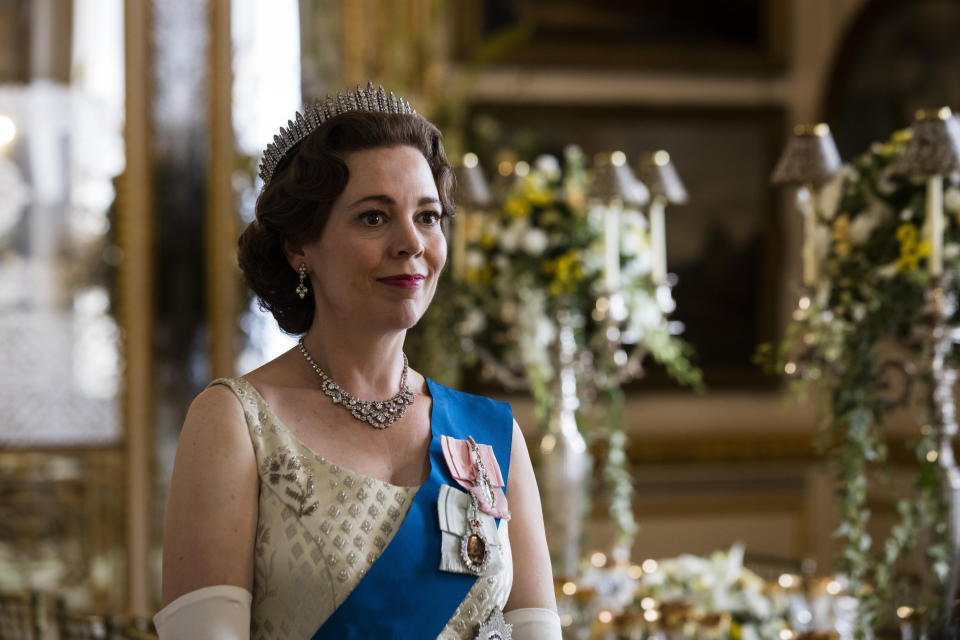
(474, 322)
(596, 218)
(860, 230)
(535, 241)
(951, 199)
(885, 183)
(864, 224)
(474, 259)
(951, 251)
(888, 270)
(665, 299)
(545, 332)
(548, 165)
(511, 236)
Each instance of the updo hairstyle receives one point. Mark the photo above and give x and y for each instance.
(296, 203)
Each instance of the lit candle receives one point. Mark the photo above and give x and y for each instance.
(808, 254)
(8, 131)
(658, 238)
(611, 247)
(935, 223)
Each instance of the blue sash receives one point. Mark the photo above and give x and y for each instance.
(405, 595)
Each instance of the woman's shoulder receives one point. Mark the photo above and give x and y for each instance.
(216, 414)
(276, 375)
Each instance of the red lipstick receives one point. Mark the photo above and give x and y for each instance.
(403, 280)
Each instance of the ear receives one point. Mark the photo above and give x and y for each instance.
(293, 251)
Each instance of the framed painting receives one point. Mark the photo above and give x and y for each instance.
(683, 34)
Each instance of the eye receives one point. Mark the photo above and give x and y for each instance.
(431, 217)
(372, 218)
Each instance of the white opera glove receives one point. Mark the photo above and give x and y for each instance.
(221, 612)
(534, 624)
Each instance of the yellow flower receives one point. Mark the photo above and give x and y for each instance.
(911, 251)
(537, 192)
(841, 235)
(483, 275)
(907, 233)
(736, 631)
(567, 271)
(518, 206)
(886, 149)
(903, 135)
(488, 241)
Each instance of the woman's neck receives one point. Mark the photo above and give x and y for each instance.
(363, 363)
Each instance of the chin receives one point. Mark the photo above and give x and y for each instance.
(406, 317)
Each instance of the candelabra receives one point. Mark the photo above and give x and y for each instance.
(932, 150)
(579, 368)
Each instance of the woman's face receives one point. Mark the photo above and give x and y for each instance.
(377, 261)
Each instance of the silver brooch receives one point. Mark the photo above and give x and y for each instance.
(495, 628)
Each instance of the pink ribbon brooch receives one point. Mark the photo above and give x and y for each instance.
(475, 468)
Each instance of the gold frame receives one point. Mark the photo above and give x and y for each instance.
(771, 55)
(223, 276)
(135, 288)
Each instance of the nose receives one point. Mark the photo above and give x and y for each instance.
(407, 241)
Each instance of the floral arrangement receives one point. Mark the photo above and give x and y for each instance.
(538, 263)
(684, 597)
(868, 307)
(713, 592)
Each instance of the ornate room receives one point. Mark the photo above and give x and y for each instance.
(704, 249)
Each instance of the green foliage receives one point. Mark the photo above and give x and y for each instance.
(869, 309)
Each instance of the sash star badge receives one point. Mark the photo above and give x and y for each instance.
(495, 628)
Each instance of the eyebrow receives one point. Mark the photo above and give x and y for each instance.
(385, 199)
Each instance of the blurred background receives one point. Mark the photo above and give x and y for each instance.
(130, 131)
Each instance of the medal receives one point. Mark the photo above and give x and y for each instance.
(474, 547)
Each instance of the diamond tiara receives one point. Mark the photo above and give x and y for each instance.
(372, 99)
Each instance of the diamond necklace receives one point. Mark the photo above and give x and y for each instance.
(378, 414)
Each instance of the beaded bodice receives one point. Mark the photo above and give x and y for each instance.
(320, 529)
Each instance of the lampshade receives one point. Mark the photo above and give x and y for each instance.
(613, 179)
(658, 173)
(934, 146)
(472, 189)
(811, 157)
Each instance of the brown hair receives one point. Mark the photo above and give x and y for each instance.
(296, 203)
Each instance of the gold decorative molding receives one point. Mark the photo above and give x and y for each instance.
(135, 289)
(221, 233)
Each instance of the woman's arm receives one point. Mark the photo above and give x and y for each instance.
(211, 518)
(532, 574)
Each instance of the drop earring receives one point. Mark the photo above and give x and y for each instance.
(302, 287)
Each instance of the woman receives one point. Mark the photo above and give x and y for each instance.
(334, 492)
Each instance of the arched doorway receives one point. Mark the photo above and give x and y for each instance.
(896, 57)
